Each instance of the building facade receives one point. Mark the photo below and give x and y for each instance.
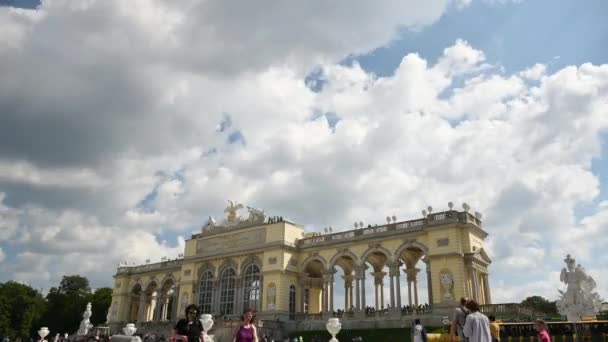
(281, 271)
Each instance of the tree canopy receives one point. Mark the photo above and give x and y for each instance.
(23, 309)
(541, 304)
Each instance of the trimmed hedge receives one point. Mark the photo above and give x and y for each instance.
(368, 335)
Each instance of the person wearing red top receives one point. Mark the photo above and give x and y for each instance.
(543, 334)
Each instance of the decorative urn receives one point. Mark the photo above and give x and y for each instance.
(207, 323)
(43, 332)
(333, 327)
(129, 329)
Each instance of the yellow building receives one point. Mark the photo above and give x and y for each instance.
(275, 267)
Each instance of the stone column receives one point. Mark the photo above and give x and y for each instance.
(160, 311)
(392, 283)
(428, 280)
(363, 305)
(358, 292)
(398, 284)
(487, 285)
(416, 292)
(409, 287)
(153, 307)
(348, 290)
(165, 312)
(324, 295)
(175, 305)
(475, 284)
(142, 305)
(331, 294)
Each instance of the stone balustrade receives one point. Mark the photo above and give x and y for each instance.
(433, 219)
(149, 267)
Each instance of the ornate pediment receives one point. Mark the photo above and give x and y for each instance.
(482, 256)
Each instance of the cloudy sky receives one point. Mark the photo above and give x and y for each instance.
(124, 124)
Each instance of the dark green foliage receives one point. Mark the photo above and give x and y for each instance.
(21, 308)
(101, 300)
(541, 305)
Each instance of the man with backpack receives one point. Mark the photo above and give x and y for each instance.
(459, 318)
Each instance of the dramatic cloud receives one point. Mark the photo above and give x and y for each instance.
(124, 127)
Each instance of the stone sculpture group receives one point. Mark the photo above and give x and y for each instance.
(579, 300)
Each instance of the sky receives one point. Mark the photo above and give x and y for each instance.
(124, 126)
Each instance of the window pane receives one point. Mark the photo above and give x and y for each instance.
(205, 292)
(251, 287)
(227, 284)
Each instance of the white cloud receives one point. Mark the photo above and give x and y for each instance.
(2, 255)
(132, 147)
(9, 220)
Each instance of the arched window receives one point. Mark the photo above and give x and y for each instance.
(251, 287)
(227, 284)
(205, 292)
(292, 301)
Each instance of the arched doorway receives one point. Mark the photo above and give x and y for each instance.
(417, 291)
(343, 266)
(312, 281)
(152, 298)
(375, 265)
(167, 299)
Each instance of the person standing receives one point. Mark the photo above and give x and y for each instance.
(494, 329)
(477, 325)
(543, 334)
(247, 331)
(458, 321)
(189, 329)
(419, 332)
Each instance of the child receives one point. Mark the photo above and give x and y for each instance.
(543, 334)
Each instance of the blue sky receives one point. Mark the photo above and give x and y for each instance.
(515, 35)
(160, 120)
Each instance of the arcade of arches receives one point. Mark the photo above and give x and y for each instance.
(276, 268)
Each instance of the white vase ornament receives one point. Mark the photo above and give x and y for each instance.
(333, 327)
(129, 329)
(43, 332)
(207, 323)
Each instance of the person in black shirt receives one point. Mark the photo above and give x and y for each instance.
(190, 327)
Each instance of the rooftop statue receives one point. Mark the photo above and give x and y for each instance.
(579, 300)
(231, 210)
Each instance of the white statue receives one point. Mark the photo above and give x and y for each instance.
(85, 324)
(578, 300)
(447, 282)
(210, 223)
(256, 215)
(233, 217)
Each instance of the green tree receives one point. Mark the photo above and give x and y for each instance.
(21, 308)
(66, 304)
(101, 301)
(540, 304)
(74, 285)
